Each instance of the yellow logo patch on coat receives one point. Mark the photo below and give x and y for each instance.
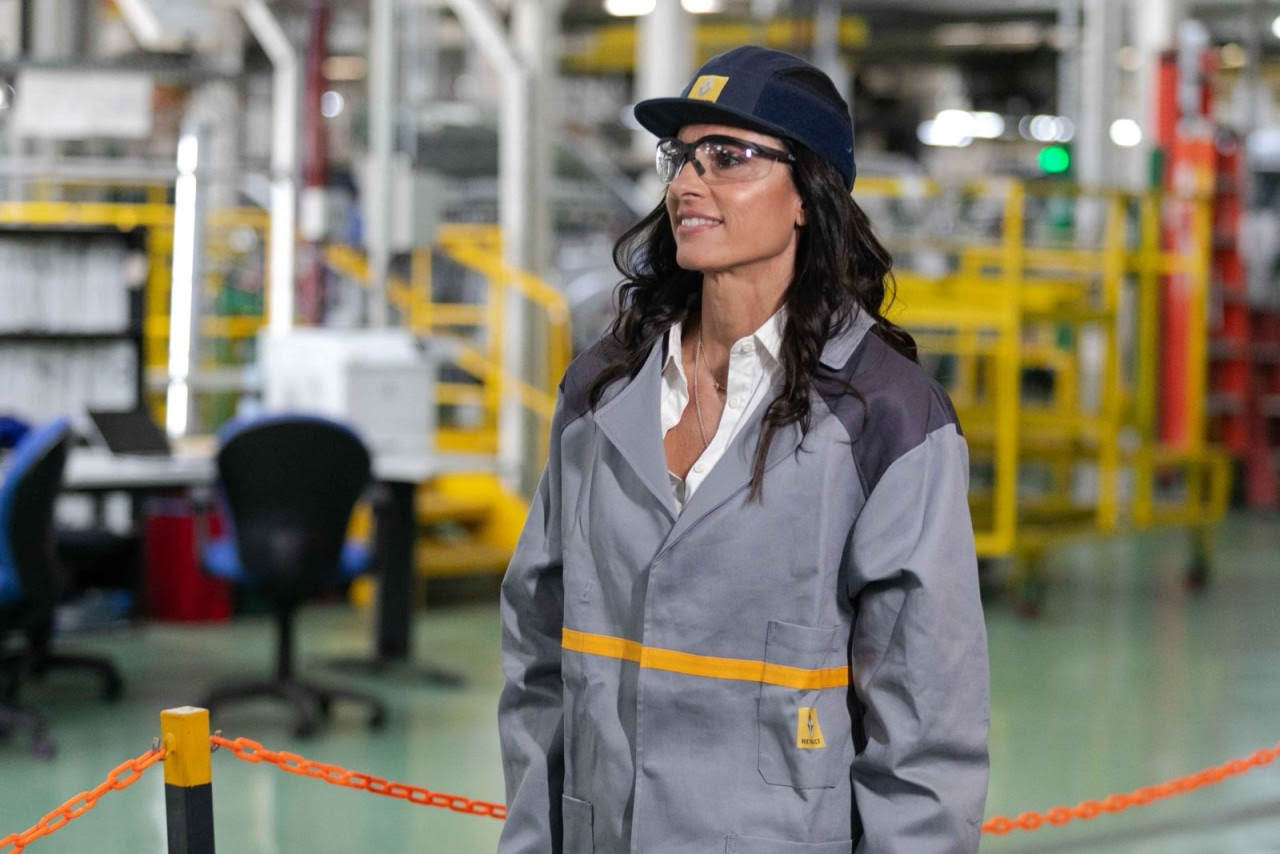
(808, 733)
(708, 87)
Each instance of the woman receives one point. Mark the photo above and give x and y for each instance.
(743, 614)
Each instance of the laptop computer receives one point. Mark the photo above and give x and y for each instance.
(130, 432)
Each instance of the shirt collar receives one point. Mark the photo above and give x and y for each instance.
(674, 362)
(768, 336)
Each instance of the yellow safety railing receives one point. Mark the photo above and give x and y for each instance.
(1008, 283)
(1010, 290)
(476, 330)
(235, 241)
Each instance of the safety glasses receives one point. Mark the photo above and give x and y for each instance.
(718, 159)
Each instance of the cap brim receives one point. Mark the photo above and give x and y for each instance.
(664, 117)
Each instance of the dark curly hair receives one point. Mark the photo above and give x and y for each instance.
(841, 269)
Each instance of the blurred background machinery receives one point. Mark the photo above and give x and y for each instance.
(1080, 195)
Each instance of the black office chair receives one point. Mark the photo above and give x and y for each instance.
(29, 582)
(289, 484)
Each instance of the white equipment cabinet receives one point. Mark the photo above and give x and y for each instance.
(379, 381)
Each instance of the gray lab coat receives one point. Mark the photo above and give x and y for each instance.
(802, 675)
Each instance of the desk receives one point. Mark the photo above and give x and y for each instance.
(97, 470)
(397, 476)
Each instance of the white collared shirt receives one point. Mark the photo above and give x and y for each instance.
(753, 364)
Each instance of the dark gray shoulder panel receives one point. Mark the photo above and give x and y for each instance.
(895, 407)
(582, 371)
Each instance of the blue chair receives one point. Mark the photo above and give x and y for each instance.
(29, 582)
(289, 484)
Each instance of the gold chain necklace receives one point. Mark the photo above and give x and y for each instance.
(697, 403)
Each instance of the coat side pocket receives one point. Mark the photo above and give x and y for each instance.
(578, 817)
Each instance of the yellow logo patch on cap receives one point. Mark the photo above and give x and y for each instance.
(808, 733)
(708, 87)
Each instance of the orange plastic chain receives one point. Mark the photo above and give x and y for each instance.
(129, 772)
(251, 751)
(1118, 803)
(122, 776)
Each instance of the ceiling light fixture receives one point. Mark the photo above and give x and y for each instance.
(629, 8)
(331, 104)
(1126, 133)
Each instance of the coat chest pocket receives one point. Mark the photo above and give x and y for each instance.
(803, 717)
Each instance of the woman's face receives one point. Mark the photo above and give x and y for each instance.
(738, 227)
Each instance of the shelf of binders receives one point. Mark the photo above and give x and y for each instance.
(71, 337)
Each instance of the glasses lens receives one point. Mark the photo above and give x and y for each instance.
(670, 159)
(716, 160)
(730, 161)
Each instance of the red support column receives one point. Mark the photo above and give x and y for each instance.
(315, 153)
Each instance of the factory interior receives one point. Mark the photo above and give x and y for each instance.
(385, 228)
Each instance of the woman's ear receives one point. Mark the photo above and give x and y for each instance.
(801, 219)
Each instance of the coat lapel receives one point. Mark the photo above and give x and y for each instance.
(732, 473)
(632, 422)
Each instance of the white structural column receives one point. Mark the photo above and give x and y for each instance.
(483, 27)
(56, 28)
(515, 205)
(285, 97)
(1098, 91)
(189, 204)
(536, 36)
(377, 238)
(1069, 45)
(535, 32)
(1155, 30)
(664, 61)
(826, 46)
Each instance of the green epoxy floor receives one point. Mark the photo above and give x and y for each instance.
(1126, 680)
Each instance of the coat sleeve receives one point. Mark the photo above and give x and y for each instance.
(919, 657)
(530, 710)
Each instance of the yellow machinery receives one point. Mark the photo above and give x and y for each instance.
(470, 521)
(1037, 305)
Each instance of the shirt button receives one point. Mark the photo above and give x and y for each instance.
(747, 347)
(699, 468)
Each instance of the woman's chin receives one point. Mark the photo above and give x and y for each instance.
(699, 262)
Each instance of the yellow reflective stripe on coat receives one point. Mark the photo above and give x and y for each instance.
(709, 666)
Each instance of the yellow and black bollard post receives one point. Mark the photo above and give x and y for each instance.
(188, 780)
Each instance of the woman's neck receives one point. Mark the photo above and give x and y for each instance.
(733, 308)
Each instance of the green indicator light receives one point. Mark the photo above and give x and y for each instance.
(1055, 159)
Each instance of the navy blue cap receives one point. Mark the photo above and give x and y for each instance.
(764, 90)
